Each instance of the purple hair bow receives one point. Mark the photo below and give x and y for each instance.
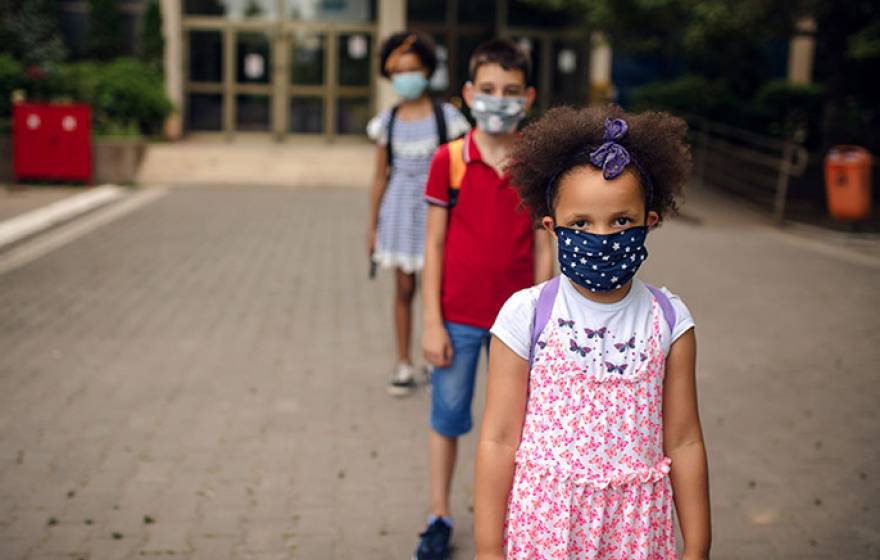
(611, 157)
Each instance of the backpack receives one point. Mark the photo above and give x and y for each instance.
(441, 129)
(457, 167)
(548, 296)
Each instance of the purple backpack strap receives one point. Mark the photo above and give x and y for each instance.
(543, 308)
(665, 306)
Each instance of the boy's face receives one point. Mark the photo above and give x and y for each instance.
(492, 79)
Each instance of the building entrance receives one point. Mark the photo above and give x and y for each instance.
(301, 68)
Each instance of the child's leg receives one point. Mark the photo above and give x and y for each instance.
(404, 292)
(451, 396)
(443, 451)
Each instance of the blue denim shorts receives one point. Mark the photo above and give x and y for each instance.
(452, 387)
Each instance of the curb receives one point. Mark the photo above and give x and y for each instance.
(30, 223)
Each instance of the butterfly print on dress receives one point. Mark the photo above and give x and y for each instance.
(582, 350)
(600, 332)
(603, 430)
(622, 347)
(618, 368)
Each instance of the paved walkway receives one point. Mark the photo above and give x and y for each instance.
(15, 201)
(204, 378)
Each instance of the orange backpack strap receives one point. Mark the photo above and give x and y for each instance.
(457, 167)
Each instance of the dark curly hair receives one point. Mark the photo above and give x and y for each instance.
(556, 143)
(422, 46)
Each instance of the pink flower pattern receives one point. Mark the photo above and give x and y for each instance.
(591, 481)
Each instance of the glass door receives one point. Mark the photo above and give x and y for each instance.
(252, 88)
(305, 88)
(302, 68)
(329, 76)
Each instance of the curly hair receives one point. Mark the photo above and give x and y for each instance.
(549, 148)
(419, 44)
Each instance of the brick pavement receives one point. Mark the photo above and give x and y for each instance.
(204, 378)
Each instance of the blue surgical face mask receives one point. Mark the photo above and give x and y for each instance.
(601, 263)
(498, 115)
(409, 85)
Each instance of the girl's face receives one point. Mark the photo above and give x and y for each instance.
(409, 62)
(586, 201)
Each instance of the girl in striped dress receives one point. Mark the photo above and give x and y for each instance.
(415, 128)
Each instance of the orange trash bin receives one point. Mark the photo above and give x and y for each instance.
(848, 182)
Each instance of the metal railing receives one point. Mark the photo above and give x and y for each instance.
(748, 163)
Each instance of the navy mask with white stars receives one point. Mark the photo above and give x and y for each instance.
(601, 263)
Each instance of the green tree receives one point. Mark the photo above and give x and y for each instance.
(29, 31)
(718, 39)
(718, 45)
(152, 42)
(847, 64)
(253, 9)
(12, 77)
(105, 39)
(6, 36)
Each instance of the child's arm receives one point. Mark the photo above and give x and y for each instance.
(499, 439)
(380, 181)
(436, 345)
(543, 256)
(683, 442)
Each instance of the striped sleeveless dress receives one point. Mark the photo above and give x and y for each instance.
(400, 238)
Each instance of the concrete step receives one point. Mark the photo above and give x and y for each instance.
(250, 162)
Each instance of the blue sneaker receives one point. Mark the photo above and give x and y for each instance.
(434, 543)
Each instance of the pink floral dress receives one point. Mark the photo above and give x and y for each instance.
(591, 480)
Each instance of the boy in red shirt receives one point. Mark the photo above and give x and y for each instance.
(481, 247)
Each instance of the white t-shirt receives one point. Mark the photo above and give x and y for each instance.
(628, 323)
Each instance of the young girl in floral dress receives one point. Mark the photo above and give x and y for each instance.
(591, 423)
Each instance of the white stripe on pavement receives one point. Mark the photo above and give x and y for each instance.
(63, 235)
(35, 221)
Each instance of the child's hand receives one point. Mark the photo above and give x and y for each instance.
(436, 346)
(492, 556)
(371, 241)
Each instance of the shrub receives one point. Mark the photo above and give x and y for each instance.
(688, 94)
(12, 77)
(126, 95)
(130, 93)
(790, 110)
(777, 109)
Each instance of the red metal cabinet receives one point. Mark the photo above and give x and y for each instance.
(52, 141)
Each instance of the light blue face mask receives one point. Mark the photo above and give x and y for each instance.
(409, 85)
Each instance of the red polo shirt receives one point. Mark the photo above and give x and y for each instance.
(488, 253)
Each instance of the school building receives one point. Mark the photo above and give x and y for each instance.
(300, 69)
(294, 69)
